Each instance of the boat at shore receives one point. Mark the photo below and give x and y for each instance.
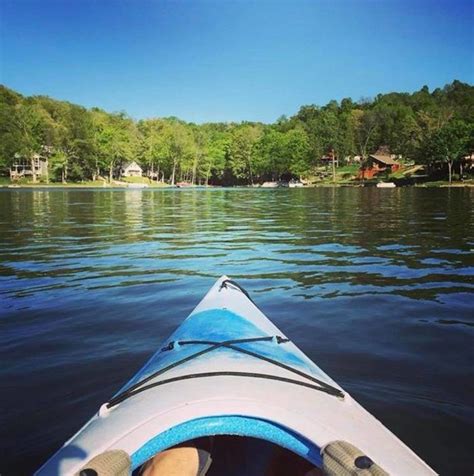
(280, 184)
(386, 185)
(270, 185)
(227, 370)
(295, 184)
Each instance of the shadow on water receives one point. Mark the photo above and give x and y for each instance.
(374, 285)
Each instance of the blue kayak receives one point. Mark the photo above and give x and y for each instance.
(228, 371)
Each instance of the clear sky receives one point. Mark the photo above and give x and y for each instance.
(225, 60)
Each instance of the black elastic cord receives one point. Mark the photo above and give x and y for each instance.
(137, 388)
(230, 345)
(119, 398)
(182, 361)
(279, 340)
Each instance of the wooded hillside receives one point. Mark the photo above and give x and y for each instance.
(82, 144)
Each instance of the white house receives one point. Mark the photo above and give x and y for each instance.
(23, 167)
(131, 169)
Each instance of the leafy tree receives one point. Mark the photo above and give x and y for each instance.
(115, 138)
(364, 124)
(450, 143)
(298, 148)
(310, 118)
(241, 154)
(73, 142)
(152, 145)
(270, 154)
(178, 146)
(58, 163)
(32, 126)
(214, 161)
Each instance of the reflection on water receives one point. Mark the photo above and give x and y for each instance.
(375, 285)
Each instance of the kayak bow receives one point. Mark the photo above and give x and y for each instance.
(228, 370)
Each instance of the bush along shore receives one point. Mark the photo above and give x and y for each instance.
(425, 138)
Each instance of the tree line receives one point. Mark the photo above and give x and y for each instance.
(435, 129)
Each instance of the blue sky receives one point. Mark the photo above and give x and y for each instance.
(223, 60)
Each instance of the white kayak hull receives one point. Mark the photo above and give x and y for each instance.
(224, 390)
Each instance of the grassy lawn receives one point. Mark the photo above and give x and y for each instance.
(399, 174)
(85, 183)
(135, 180)
(344, 175)
(352, 169)
(159, 184)
(143, 180)
(5, 181)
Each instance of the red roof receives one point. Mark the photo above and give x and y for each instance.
(384, 159)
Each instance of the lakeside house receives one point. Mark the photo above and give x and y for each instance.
(381, 161)
(328, 159)
(24, 167)
(130, 169)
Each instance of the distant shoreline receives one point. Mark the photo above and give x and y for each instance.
(43, 186)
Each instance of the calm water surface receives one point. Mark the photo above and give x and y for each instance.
(374, 285)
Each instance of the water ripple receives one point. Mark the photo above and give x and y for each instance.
(375, 287)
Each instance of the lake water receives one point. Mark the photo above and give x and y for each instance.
(376, 286)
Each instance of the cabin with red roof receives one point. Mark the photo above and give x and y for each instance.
(381, 161)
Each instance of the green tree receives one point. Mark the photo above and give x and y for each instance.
(116, 139)
(58, 162)
(364, 124)
(241, 154)
(73, 143)
(298, 149)
(310, 118)
(213, 162)
(270, 154)
(450, 143)
(178, 147)
(32, 127)
(153, 148)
